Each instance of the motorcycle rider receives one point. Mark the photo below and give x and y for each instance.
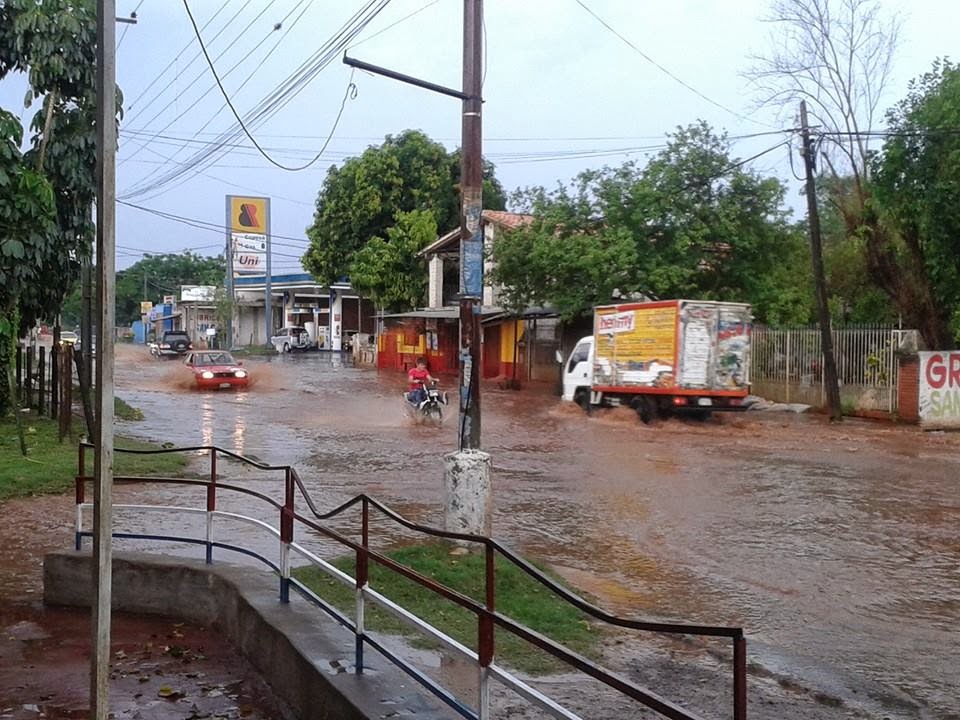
(418, 377)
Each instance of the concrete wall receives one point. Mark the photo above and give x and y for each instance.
(305, 657)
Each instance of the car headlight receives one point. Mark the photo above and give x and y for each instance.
(207, 375)
(240, 373)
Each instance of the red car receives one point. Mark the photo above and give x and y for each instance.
(216, 369)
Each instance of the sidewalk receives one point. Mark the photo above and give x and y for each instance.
(161, 669)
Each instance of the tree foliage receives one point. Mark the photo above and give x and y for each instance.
(916, 185)
(54, 44)
(388, 270)
(157, 275)
(361, 199)
(691, 223)
(837, 55)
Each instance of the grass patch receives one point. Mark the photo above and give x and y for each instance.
(517, 595)
(50, 465)
(125, 411)
(254, 350)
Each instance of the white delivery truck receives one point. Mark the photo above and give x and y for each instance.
(663, 357)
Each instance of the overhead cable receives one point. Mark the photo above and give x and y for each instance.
(665, 71)
(275, 100)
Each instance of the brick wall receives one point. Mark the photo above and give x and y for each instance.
(908, 389)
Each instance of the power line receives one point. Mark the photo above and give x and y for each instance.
(664, 70)
(223, 52)
(133, 16)
(394, 24)
(351, 93)
(278, 98)
(166, 160)
(138, 111)
(263, 60)
(212, 227)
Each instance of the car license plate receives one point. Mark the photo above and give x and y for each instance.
(704, 401)
(224, 385)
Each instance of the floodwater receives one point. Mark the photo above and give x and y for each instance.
(836, 548)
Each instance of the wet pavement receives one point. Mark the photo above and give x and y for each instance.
(836, 548)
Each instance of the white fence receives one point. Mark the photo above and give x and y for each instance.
(787, 365)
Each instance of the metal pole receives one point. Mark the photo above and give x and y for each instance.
(268, 308)
(106, 298)
(229, 278)
(86, 320)
(471, 230)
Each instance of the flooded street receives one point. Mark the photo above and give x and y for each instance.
(836, 548)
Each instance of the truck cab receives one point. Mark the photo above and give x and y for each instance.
(578, 373)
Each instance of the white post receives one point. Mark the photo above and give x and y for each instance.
(336, 322)
(435, 293)
(467, 493)
(483, 711)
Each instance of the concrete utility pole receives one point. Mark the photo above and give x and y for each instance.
(106, 300)
(819, 278)
(467, 490)
(471, 232)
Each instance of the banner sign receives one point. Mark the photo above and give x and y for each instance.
(248, 224)
(249, 253)
(940, 389)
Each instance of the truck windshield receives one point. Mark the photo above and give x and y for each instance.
(580, 354)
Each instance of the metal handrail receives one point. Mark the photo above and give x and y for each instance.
(487, 616)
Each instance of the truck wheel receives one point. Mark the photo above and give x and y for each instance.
(582, 398)
(286, 347)
(646, 408)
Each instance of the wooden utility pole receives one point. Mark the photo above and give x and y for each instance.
(106, 299)
(819, 277)
(471, 231)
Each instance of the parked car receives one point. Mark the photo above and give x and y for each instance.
(216, 370)
(69, 337)
(291, 338)
(172, 343)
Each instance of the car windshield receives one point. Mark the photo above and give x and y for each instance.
(218, 358)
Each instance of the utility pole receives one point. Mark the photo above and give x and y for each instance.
(468, 493)
(819, 278)
(102, 575)
(471, 232)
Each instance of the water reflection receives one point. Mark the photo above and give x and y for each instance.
(207, 418)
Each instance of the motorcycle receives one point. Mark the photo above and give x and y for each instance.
(430, 406)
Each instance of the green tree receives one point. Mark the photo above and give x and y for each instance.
(157, 275)
(28, 237)
(916, 180)
(691, 223)
(388, 270)
(361, 199)
(54, 44)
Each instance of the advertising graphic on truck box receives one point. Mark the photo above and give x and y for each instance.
(636, 346)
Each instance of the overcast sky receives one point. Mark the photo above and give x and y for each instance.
(557, 83)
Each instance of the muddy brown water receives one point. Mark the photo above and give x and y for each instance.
(836, 548)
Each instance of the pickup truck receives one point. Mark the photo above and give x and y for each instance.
(663, 357)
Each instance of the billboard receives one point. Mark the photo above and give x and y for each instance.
(940, 389)
(248, 223)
